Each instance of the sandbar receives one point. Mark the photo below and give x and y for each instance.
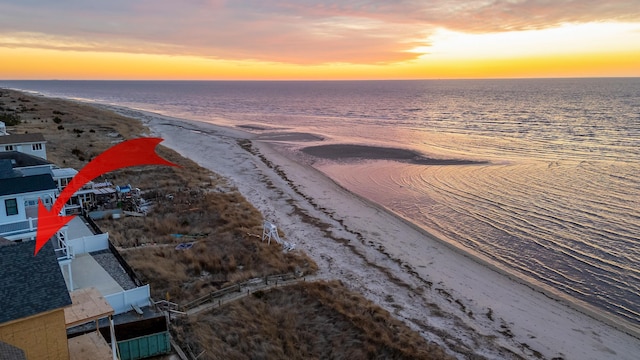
(367, 152)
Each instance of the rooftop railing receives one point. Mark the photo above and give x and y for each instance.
(18, 227)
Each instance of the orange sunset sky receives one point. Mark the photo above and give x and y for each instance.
(350, 39)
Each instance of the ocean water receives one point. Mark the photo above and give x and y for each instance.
(557, 198)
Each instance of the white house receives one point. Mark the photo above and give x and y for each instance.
(32, 144)
(3, 129)
(25, 179)
(19, 196)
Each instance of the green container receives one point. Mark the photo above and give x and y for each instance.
(145, 346)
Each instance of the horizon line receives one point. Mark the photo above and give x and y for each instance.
(339, 80)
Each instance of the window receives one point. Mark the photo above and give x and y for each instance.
(8, 148)
(30, 202)
(64, 182)
(11, 206)
(36, 147)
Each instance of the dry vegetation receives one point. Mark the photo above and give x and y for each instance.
(321, 320)
(223, 225)
(188, 200)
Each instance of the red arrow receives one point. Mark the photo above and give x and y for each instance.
(129, 153)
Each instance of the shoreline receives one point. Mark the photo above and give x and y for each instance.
(348, 152)
(349, 241)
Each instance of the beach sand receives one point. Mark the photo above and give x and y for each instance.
(450, 297)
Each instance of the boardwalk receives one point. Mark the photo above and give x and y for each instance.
(237, 292)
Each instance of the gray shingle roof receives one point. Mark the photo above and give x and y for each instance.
(21, 138)
(8, 351)
(19, 159)
(19, 185)
(6, 170)
(30, 285)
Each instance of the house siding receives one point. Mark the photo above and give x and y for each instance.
(46, 196)
(41, 336)
(32, 144)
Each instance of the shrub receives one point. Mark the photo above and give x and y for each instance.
(10, 119)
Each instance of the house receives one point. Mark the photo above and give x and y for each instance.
(3, 129)
(20, 189)
(86, 198)
(24, 179)
(33, 297)
(32, 144)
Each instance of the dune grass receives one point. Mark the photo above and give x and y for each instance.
(319, 320)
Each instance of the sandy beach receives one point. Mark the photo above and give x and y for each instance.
(448, 296)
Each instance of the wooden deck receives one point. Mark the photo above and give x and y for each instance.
(87, 305)
(89, 346)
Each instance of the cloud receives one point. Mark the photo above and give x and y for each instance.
(301, 32)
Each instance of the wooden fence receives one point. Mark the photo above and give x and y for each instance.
(218, 294)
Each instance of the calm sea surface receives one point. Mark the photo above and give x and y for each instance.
(558, 199)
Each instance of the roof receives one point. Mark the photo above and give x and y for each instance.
(35, 170)
(103, 191)
(6, 170)
(26, 184)
(30, 284)
(64, 173)
(8, 351)
(19, 159)
(21, 139)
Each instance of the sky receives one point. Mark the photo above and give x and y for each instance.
(309, 40)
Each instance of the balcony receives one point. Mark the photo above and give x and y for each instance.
(19, 229)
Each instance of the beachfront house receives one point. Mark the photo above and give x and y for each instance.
(32, 144)
(25, 179)
(3, 129)
(33, 296)
(20, 189)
